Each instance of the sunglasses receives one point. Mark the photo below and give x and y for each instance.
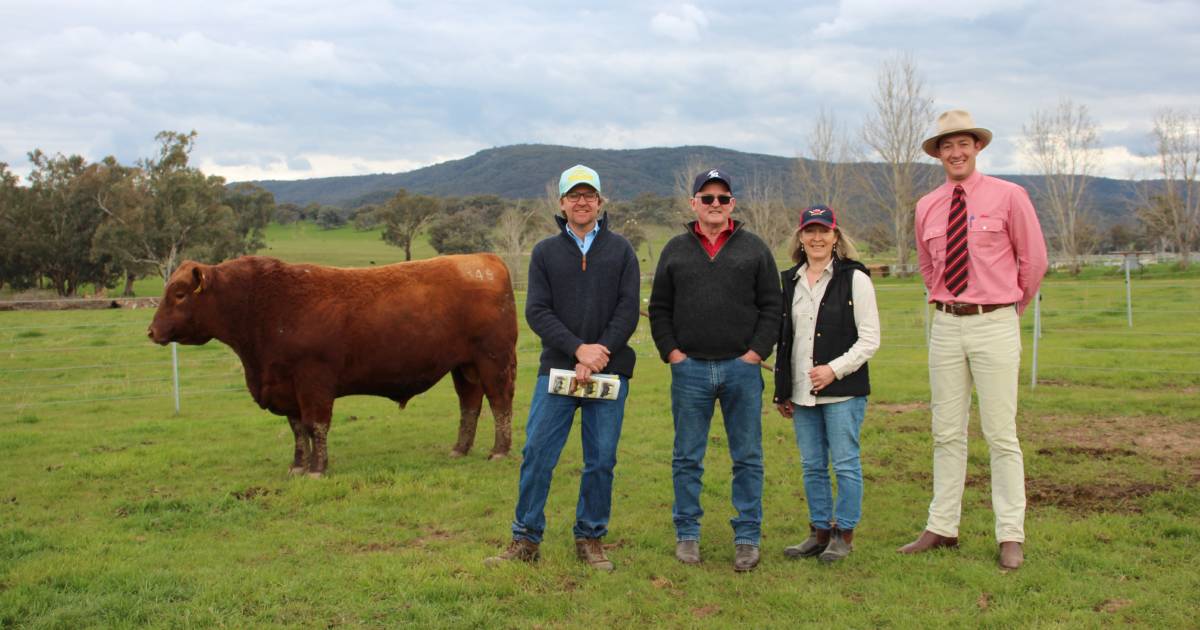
(721, 199)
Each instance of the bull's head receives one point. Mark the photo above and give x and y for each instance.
(180, 313)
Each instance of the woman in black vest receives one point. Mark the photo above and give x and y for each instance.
(830, 328)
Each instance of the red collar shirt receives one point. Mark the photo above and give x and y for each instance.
(712, 247)
(1004, 240)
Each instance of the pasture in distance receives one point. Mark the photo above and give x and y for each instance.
(116, 512)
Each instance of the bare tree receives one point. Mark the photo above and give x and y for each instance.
(762, 204)
(894, 131)
(1063, 145)
(822, 171)
(684, 176)
(516, 232)
(1175, 211)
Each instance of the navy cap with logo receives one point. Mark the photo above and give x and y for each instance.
(711, 175)
(818, 214)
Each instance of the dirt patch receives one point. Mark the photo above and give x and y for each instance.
(899, 407)
(1174, 443)
(1086, 451)
(1090, 498)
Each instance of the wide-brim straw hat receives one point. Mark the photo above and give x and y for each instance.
(952, 122)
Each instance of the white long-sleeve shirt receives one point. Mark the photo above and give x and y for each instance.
(804, 323)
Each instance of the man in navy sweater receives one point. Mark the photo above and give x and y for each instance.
(583, 303)
(715, 310)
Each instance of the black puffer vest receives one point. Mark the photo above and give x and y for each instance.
(836, 332)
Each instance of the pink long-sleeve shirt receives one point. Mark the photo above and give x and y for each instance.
(1004, 240)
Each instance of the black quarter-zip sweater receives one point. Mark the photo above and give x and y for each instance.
(720, 307)
(572, 302)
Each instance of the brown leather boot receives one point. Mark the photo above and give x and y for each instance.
(519, 549)
(816, 542)
(928, 540)
(839, 546)
(591, 551)
(1012, 556)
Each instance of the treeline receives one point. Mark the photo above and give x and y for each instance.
(104, 223)
(478, 223)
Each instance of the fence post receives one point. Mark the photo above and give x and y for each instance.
(1037, 333)
(175, 372)
(925, 316)
(1128, 291)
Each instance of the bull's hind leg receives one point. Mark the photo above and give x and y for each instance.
(498, 376)
(303, 446)
(470, 401)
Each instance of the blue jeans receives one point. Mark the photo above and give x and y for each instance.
(824, 433)
(550, 419)
(696, 385)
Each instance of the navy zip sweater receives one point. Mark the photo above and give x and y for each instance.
(716, 308)
(572, 301)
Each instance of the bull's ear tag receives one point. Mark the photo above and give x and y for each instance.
(198, 276)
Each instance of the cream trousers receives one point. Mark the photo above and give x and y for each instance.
(984, 350)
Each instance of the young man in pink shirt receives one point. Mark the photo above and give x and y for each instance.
(982, 256)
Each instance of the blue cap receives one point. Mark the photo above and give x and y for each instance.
(578, 174)
(711, 175)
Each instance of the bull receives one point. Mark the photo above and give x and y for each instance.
(308, 334)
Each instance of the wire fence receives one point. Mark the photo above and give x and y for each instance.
(1079, 335)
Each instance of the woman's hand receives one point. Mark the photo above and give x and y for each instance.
(785, 409)
(820, 377)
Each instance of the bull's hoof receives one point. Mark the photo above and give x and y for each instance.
(455, 453)
(315, 475)
(496, 456)
(296, 471)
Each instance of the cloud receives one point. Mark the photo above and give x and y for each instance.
(682, 24)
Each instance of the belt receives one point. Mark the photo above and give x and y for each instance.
(968, 309)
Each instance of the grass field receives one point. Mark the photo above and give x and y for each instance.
(115, 512)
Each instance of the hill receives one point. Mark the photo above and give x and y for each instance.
(522, 171)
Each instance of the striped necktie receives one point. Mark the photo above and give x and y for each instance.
(956, 244)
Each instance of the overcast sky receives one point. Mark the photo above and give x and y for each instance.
(298, 89)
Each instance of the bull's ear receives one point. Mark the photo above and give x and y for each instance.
(199, 278)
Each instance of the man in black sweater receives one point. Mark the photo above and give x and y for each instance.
(582, 302)
(715, 309)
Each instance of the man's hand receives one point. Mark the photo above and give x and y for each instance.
(820, 377)
(583, 374)
(751, 357)
(592, 355)
(676, 356)
(785, 409)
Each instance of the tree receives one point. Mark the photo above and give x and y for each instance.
(330, 218)
(1063, 145)
(685, 175)
(1175, 212)
(463, 233)
(894, 130)
(404, 216)
(762, 204)
(61, 219)
(823, 171)
(164, 210)
(17, 267)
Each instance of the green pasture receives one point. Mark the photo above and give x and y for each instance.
(116, 512)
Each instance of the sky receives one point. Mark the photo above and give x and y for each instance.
(303, 88)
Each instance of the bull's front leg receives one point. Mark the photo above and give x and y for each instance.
(315, 392)
(303, 446)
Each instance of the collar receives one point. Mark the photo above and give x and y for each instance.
(803, 267)
(601, 224)
(729, 228)
(969, 184)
